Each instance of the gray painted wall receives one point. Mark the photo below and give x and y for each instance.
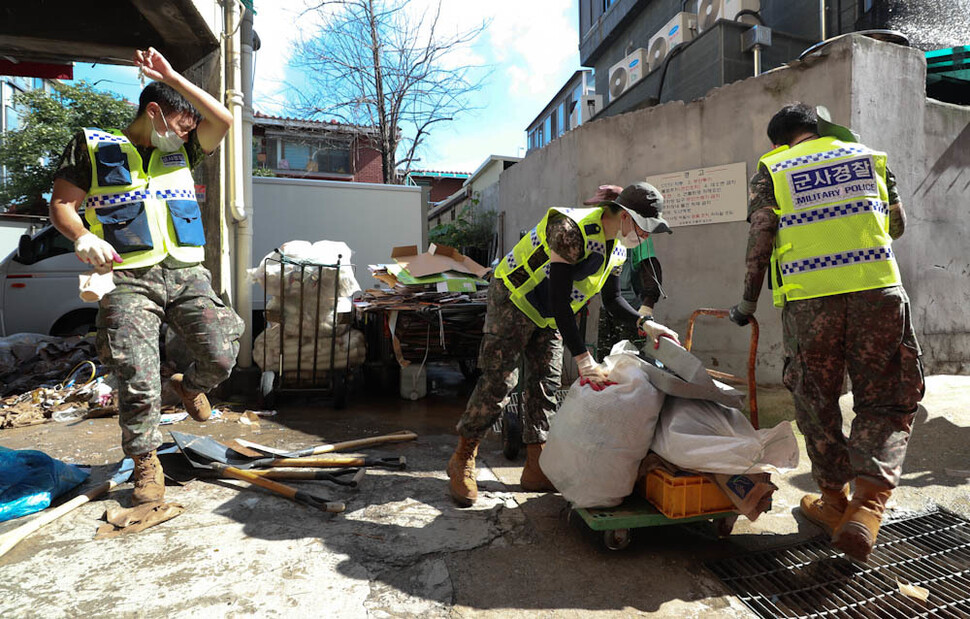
(704, 265)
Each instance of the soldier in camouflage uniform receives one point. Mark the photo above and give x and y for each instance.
(568, 257)
(168, 289)
(868, 333)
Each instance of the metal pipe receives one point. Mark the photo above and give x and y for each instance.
(821, 20)
(757, 60)
(243, 203)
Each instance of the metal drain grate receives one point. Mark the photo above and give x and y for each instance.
(812, 579)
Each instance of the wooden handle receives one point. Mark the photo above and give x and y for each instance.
(396, 437)
(256, 480)
(328, 461)
(13, 537)
(287, 491)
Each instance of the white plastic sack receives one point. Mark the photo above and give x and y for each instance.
(321, 252)
(705, 436)
(311, 319)
(598, 438)
(350, 350)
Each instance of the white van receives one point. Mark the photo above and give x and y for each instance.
(39, 292)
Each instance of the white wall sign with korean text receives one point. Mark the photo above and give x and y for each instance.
(711, 195)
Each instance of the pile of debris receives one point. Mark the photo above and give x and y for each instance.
(440, 276)
(44, 377)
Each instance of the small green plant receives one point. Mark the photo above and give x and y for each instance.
(263, 172)
(474, 230)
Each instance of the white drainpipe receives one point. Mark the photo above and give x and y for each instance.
(236, 187)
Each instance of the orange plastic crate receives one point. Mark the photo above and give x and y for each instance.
(682, 496)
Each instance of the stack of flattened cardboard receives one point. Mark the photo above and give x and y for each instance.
(441, 275)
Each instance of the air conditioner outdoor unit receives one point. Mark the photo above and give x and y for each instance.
(628, 72)
(678, 30)
(709, 11)
(585, 108)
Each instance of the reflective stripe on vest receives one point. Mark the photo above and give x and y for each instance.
(525, 269)
(833, 220)
(146, 216)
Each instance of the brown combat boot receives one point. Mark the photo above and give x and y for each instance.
(461, 472)
(196, 404)
(149, 479)
(856, 533)
(826, 510)
(533, 479)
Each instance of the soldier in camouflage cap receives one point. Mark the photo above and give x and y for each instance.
(823, 211)
(551, 273)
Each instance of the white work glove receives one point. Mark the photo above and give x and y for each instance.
(97, 252)
(654, 330)
(591, 373)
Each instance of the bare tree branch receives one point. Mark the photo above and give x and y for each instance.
(373, 63)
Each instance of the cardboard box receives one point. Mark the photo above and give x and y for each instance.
(438, 259)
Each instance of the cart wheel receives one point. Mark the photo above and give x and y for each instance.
(511, 434)
(617, 539)
(266, 394)
(724, 526)
(340, 390)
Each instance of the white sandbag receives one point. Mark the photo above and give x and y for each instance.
(267, 274)
(349, 350)
(705, 436)
(310, 317)
(598, 438)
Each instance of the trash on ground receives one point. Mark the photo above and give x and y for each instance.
(31, 360)
(30, 480)
(914, 591)
(81, 395)
(123, 520)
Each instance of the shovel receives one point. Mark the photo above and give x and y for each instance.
(210, 450)
(198, 460)
(396, 437)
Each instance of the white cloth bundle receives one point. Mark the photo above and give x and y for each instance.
(309, 316)
(350, 350)
(313, 278)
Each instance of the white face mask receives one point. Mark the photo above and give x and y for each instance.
(631, 239)
(168, 143)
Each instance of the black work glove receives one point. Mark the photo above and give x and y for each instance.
(741, 313)
(738, 317)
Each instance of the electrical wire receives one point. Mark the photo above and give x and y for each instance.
(67, 382)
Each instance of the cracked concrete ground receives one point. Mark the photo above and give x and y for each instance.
(402, 549)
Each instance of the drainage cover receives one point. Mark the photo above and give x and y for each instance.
(812, 579)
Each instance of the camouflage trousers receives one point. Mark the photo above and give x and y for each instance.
(509, 334)
(129, 325)
(870, 334)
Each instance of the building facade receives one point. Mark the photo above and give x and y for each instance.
(296, 148)
(575, 103)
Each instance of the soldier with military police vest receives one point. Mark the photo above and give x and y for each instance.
(824, 211)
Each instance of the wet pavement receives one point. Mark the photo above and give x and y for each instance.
(402, 549)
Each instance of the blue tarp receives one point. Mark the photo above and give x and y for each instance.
(30, 480)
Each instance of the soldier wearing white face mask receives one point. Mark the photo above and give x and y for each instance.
(145, 224)
(551, 273)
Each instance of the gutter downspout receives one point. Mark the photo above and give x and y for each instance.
(235, 195)
(821, 20)
(244, 229)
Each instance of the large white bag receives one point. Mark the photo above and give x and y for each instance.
(598, 438)
(706, 436)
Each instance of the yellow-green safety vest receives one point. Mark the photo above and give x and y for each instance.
(144, 216)
(833, 229)
(525, 270)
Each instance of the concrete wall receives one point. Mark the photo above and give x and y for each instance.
(928, 144)
(370, 218)
(704, 265)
